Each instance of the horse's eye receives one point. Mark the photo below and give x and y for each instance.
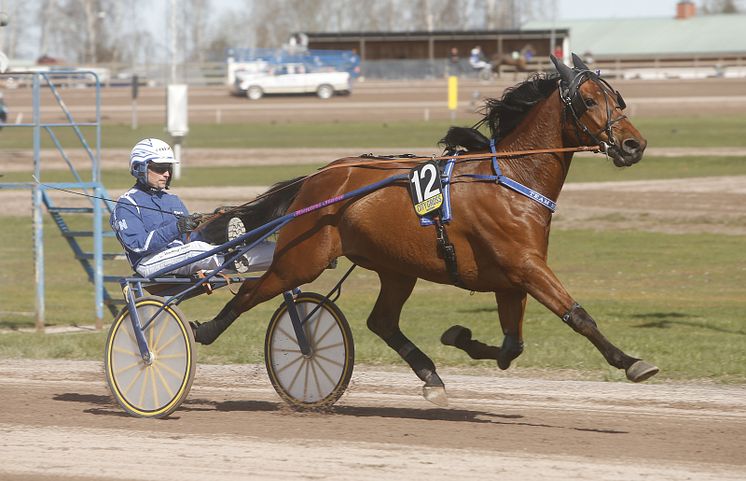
(590, 102)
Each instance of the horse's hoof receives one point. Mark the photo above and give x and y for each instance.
(456, 336)
(503, 363)
(436, 395)
(640, 371)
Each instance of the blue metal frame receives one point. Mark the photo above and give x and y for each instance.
(38, 79)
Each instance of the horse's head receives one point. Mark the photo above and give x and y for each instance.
(597, 110)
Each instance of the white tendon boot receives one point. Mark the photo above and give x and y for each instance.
(237, 229)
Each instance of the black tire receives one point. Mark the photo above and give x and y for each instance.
(157, 389)
(319, 380)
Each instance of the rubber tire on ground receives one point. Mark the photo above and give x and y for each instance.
(158, 389)
(319, 380)
(325, 91)
(254, 92)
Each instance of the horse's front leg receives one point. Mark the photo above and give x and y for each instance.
(539, 281)
(511, 306)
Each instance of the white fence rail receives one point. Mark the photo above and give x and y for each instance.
(216, 73)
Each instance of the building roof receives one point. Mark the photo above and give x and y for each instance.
(636, 37)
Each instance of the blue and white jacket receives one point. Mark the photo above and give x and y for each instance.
(143, 231)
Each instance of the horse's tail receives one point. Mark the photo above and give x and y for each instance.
(268, 206)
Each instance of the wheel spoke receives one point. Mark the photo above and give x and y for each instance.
(326, 333)
(124, 351)
(305, 381)
(129, 386)
(331, 361)
(330, 346)
(155, 389)
(295, 378)
(144, 385)
(299, 358)
(128, 367)
(292, 338)
(164, 383)
(171, 356)
(328, 376)
(170, 341)
(316, 380)
(158, 338)
(297, 351)
(172, 371)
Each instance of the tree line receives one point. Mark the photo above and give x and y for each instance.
(143, 31)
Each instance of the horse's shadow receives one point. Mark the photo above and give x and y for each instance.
(666, 320)
(106, 406)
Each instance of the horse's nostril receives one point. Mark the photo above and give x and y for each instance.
(631, 145)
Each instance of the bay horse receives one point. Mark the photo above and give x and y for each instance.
(498, 61)
(500, 236)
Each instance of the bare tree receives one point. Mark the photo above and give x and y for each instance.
(46, 14)
(721, 6)
(197, 18)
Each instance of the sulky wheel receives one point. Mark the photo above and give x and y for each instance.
(154, 389)
(321, 378)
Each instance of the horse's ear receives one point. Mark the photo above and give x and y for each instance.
(578, 63)
(566, 73)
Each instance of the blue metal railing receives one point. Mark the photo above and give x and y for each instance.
(40, 80)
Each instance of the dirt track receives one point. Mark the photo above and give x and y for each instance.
(58, 420)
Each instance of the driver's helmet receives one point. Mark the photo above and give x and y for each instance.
(147, 151)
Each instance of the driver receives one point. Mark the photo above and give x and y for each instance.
(155, 227)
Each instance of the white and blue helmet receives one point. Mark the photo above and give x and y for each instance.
(147, 151)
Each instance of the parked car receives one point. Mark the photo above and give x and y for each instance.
(291, 79)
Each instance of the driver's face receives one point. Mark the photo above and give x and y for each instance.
(158, 175)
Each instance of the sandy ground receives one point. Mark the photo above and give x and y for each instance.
(59, 422)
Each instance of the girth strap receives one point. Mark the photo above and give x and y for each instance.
(447, 251)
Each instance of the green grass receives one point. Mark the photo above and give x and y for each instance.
(693, 131)
(675, 300)
(660, 132)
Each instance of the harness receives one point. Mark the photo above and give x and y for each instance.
(570, 95)
(442, 216)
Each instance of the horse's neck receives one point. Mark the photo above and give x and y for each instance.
(541, 129)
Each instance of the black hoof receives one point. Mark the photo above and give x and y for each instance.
(457, 336)
(503, 362)
(511, 349)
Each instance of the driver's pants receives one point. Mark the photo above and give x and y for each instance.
(259, 258)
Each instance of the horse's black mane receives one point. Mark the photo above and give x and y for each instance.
(502, 115)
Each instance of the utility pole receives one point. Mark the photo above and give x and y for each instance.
(177, 113)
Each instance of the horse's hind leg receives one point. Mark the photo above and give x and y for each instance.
(511, 306)
(290, 269)
(384, 321)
